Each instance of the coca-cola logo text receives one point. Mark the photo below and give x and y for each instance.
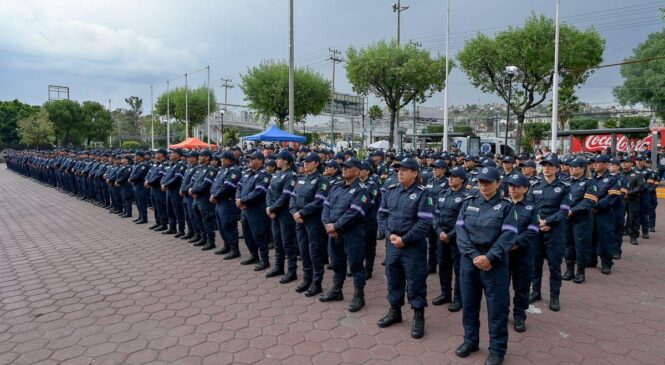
(599, 142)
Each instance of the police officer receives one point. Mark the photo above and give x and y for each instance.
(406, 216)
(486, 232)
(653, 196)
(171, 183)
(580, 221)
(343, 218)
(371, 181)
(122, 181)
(204, 211)
(193, 230)
(137, 179)
(222, 194)
(448, 205)
(550, 196)
(618, 208)
(645, 196)
(520, 254)
(634, 185)
(529, 170)
(306, 205)
(607, 189)
(283, 226)
(507, 163)
(437, 184)
(251, 200)
(152, 181)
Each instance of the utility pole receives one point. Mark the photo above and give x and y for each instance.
(152, 120)
(227, 84)
(110, 146)
(168, 113)
(414, 139)
(445, 90)
(186, 111)
(555, 85)
(208, 86)
(292, 96)
(335, 58)
(398, 8)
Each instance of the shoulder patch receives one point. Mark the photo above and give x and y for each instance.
(393, 186)
(422, 187)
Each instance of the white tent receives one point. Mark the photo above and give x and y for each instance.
(383, 144)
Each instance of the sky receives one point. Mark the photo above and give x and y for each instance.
(107, 50)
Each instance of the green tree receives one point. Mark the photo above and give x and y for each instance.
(583, 124)
(197, 101)
(610, 123)
(536, 131)
(531, 49)
(266, 89)
(128, 145)
(10, 113)
(36, 130)
(398, 74)
(569, 104)
(97, 123)
(67, 117)
(230, 137)
(461, 129)
(375, 112)
(644, 82)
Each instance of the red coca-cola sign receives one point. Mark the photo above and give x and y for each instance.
(601, 142)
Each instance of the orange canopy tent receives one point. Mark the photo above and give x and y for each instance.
(190, 143)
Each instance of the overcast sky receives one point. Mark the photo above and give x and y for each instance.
(114, 49)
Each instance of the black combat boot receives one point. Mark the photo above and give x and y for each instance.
(171, 229)
(226, 249)
(418, 324)
(288, 277)
(393, 316)
(534, 297)
(162, 227)
(570, 271)
(210, 245)
(276, 271)
(303, 286)
(358, 301)
(195, 238)
(554, 304)
(189, 235)
(455, 306)
(579, 276)
(233, 254)
(334, 294)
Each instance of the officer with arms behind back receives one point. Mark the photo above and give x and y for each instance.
(486, 232)
(406, 216)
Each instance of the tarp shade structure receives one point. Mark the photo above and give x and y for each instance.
(274, 134)
(190, 143)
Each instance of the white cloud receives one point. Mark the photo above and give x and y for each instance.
(62, 43)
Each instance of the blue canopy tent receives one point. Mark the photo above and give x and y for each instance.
(275, 134)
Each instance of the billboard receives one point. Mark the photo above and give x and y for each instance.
(346, 104)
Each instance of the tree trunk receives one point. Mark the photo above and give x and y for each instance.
(391, 136)
(518, 134)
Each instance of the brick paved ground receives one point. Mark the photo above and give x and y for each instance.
(80, 286)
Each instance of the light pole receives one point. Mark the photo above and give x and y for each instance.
(510, 73)
(221, 113)
(555, 85)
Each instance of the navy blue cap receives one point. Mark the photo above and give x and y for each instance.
(508, 159)
(469, 158)
(529, 163)
(615, 161)
(352, 162)
(378, 153)
(488, 163)
(193, 154)
(140, 153)
(440, 164)
(458, 171)
(517, 180)
(602, 158)
(626, 159)
(285, 155)
(365, 165)
(551, 159)
(339, 156)
(256, 155)
(206, 153)
(229, 155)
(177, 150)
(640, 157)
(312, 157)
(578, 162)
(162, 151)
(489, 174)
(408, 163)
(217, 157)
(332, 163)
(303, 149)
(271, 163)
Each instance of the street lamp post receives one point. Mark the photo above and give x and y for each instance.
(221, 113)
(510, 72)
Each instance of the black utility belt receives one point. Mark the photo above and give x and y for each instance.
(483, 249)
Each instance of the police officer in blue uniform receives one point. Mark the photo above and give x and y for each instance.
(437, 184)
(283, 226)
(222, 194)
(550, 196)
(204, 212)
(618, 209)
(634, 185)
(343, 218)
(251, 200)
(520, 254)
(193, 230)
(486, 232)
(153, 181)
(607, 190)
(406, 215)
(371, 181)
(306, 205)
(645, 196)
(137, 179)
(171, 183)
(653, 196)
(122, 181)
(580, 221)
(448, 205)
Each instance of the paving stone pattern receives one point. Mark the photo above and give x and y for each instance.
(81, 286)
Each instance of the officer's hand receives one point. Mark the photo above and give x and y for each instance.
(116, 184)
(182, 194)
(546, 228)
(272, 216)
(543, 223)
(297, 217)
(268, 211)
(213, 200)
(443, 237)
(396, 241)
(300, 221)
(594, 210)
(189, 191)
(145, 185)
(570, 213)
(482, 262)
(515, 247)
(330, 229)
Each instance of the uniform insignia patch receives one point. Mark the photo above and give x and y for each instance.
(529, 207)
(606, 180)
(352, 191)
(458, 199)
(473, 209)
(324, 186)
(582, 183)
(413, 196)
(429, 201)
(497, 207)
(557, 190)
(363, 199)
(441, 200)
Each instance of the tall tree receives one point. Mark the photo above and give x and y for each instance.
(266, 89)
(531, 49)
(644, 82)
(397, 74)
(97, 123)
(10, 113)
(67, 117)
(197, 101)
(569, 104)
(37, 130)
